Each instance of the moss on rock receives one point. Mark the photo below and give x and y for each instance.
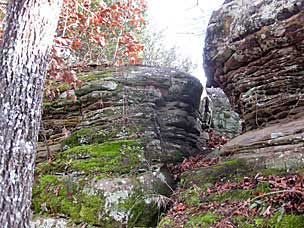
(100, 134)
(232, 170)
(143, 211)
(80, 137)
(76, 199)
(272, 171)
(80, 199)
(53, 195)
(117, 157)
(91, 76)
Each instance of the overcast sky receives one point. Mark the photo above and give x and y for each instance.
(186, 22)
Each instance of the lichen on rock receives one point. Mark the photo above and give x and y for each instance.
(108, 149)
(254, 52)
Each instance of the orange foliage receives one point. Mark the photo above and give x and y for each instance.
(94, 31)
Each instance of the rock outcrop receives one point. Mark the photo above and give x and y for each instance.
(255, 52)
(107, 152)
(218, 114)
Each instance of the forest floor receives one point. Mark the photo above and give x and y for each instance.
(231, 193)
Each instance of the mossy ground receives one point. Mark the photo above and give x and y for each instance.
(287, 221)
(209, 220)
(205, 220)
(193, 193)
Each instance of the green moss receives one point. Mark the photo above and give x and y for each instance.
(272, 171)
(209, 219)
(91, 208)
(233, 170)
(44, 168)
(49, 195)
(91, 76)
(63, 87)
(46, 104)
(234, 167)
(80, 137)
(97, 135)
(190, 196)
(228, 171)
(143, 212)
(299, 171)
(263, 187)
(117, 157)
(64, 195)
(231, 195)
(166, 223)
(110, 158)
(178, 156)
(287, 221)
(244, 222)
(202, 220)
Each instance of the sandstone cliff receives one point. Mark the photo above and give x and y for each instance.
(108, 151)
(255, 53)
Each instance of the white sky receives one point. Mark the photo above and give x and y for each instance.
(185, 22)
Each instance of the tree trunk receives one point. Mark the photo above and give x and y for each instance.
(29, 32)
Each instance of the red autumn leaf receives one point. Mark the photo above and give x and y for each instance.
(69, 76)
(81, 31)
(76, 44)
(180, 207)
(119, 62)
(74, 98)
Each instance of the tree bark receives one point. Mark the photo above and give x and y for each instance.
(28, 34)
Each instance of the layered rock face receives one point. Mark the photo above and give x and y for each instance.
(255, 53)
(160, 105)
(108, 150)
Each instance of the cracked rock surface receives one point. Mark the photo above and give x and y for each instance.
(108, 150)
(255, 52)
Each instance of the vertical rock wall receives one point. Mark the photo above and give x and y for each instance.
(255, 52)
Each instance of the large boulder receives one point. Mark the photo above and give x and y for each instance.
(107, 151)
(255, 52)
